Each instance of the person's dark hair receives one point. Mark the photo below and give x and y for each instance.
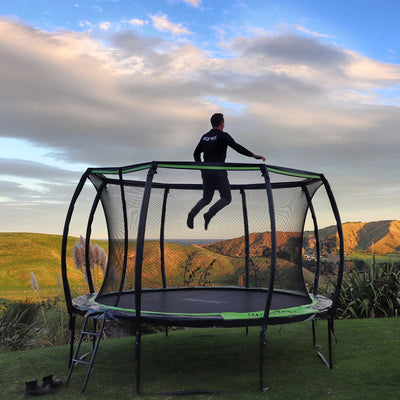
(216, 120)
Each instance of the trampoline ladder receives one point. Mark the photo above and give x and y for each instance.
(95, 345)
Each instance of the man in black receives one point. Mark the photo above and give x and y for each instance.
(213, 145)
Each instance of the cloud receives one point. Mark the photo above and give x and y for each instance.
(291, 50)
(161, 23)
(35, 197)
(105, 25)
(194, 3)
(137, 22)
(303, 103)
(313, 33)
(34, 170)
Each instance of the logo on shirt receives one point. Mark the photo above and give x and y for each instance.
(210, 138)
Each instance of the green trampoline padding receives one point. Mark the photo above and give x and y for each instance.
(206, 306)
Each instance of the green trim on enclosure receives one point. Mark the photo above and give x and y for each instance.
(284, 312)
(255, 167)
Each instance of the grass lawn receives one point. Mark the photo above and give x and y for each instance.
(366, 364)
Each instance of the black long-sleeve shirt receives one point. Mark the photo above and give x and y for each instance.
(214, 144)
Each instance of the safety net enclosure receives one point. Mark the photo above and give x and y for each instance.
(245, 269)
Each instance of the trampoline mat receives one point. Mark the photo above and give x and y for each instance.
(206, 306)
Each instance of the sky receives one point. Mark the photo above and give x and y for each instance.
(309, 84)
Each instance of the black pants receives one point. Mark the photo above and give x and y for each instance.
(212, 181)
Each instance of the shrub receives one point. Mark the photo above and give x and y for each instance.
(373, 291)
(16, 324)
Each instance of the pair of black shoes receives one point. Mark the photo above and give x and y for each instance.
(33, 389)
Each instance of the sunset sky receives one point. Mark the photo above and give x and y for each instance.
(313, 85)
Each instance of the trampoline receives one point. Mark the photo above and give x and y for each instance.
(245, 270)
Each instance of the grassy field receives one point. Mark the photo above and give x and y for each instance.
(366, 364)
(22, 253)
(379, 258)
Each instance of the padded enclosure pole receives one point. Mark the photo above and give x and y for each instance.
(317, 242)
(64, 243)
(332, 311)
(341, 245)
(67, 291)
(126, 236)
(162, 235)
(138, 268)
(88, 235)
(265, 321)
(246, 237)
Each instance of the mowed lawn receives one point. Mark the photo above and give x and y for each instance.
(366, 364)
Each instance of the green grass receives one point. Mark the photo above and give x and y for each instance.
(379, 258)
(21, 253)
(366, 364)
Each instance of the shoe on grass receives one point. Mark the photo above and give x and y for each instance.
(48, 381)
(32, 389)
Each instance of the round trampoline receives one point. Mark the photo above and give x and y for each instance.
(200, 307)
(244, 269)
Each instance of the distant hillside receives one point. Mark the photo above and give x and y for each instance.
(258, 243)
(381, 236)
(358, 236)
(23, 253)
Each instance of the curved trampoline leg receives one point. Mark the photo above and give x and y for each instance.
(329, 362)
(330, 331)
(138, 359)
(262, 345)
(72, 320)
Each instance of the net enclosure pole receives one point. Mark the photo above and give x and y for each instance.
(341, 243)
(162, 236)
(332, 312)
(88, 235)
(138, 268)
(126, 235)
(246, 237)
(67, 290)
(271, 211)
(317, 241)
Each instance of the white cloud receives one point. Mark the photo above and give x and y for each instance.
(161, 23)
(137, 22)
(105, 25)
(194, 3)
(303, 103)
(313, 33)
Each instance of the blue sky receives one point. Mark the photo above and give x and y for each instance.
(310, 84)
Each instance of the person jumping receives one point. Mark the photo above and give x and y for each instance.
(213, 145)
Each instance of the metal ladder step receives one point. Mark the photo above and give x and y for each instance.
(95, 345)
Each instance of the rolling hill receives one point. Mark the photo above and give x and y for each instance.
(22, 253)
(382, 237)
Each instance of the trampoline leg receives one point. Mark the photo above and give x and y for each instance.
(262, 345)
(328, 363)
(72, 319)
(330, 330)
(138, 359)
(314, 339)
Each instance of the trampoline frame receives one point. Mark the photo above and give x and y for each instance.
(266, 316)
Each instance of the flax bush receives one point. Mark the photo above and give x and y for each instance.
(17, 322)
(371, 291)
